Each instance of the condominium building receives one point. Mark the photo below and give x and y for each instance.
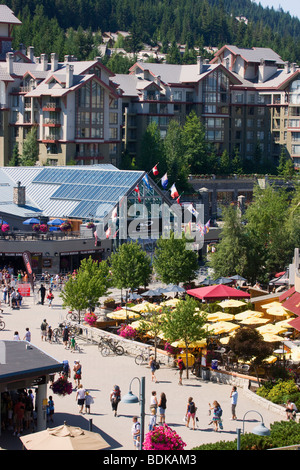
(248, 99)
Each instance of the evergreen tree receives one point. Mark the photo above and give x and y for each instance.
(30, 149)
(15, 159)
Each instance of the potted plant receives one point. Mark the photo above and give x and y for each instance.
(90, 318)
(90, 225)
(5, 227)
(163, 438)
(43, 228)
(36, 227)
(65, 227)
(126, 331)
(62, 387)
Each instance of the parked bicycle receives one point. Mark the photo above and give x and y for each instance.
(106, 346)
(73, 316)
(2, 324)
(143, 357)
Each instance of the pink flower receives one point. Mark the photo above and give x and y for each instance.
(163, 438)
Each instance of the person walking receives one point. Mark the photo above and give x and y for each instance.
(77, 369)
(162, 405)
(153, 367)
(27, 336)
(234, 398)
(89, 400)
(42, 290)
(50, 297)
(181, 367)
(49, 333)
(190, 413)
(44, 326)
(80, 397)
(153, 401)
(115, 398)
(66, 336)
(152, 422)
(217, 415)
(135, 432)
(16, 336)
(50, 409)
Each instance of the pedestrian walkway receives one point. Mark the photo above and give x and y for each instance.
(100, 374)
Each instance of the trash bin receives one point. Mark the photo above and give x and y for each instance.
(205, 373)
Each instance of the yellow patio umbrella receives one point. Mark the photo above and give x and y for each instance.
(278, 311)
(271, 338)
(170, 303)
(231, 303)
(271, 305)
(247, 314)
(219, 316)
(270, 328)
(221, 327)
(285, 323)
(195, 344)
(137, 324)
(295, 354)
(271, 359)
(254, 321)
(122, 314)
(145, 307)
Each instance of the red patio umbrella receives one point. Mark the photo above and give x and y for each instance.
(217, 292)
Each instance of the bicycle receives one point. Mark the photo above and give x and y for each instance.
(72, 316)
(107, 345)
(2, 324)
(142, 358)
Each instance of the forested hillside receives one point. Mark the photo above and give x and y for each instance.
(75, 26)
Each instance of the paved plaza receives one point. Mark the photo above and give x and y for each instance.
(99, 374)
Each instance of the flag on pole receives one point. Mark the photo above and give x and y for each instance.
(192, 210)
(114, 214)
(136, 189)
(207, 225)
(178, 200)
(155, 170)
(108, 232)
(96, 237)
(164, 181)
(146, 181)
(174, 192)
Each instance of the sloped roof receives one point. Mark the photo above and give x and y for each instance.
(7, 16)
(254, 54)
(68, 191)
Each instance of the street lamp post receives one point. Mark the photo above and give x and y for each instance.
(131, 398)
(259, 430)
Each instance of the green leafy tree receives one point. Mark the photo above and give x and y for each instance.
(130, 266)
(230, 257)
(176, 161)
(181, 324)
(151, 148)
(248, 345)
(30, 152)
(173, 262)
(196, 148)
(91, 282)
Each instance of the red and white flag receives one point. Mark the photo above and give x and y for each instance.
(178, 200)
(114, 214)
(155, 170)
(174, 192)
(138, 193)
(108, 232)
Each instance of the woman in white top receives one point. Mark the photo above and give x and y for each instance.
(16, 336)
(80, 397)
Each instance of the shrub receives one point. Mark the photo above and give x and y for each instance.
(280, 392)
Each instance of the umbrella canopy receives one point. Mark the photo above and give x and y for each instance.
(223, 280)
(221, 327)
(134, 296)
(272, 305)
(207, 282)
(145, 307)
(219, 316)
(270, 328)
(195, 344)
(55, 222)
(31, 221)
(271, 338)
(170, 303)
(140, 323)
(247, 314)
(173, 288)
(64, 438)
(154, 292)
(217, 292)
(278, 311)
(123, 314)
(254, 321)
(237, 277)
(231, 303)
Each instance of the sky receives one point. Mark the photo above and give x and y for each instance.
(293, 6)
